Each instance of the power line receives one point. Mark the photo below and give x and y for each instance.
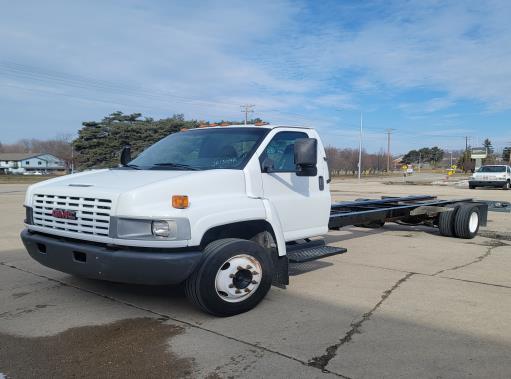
(247, 108)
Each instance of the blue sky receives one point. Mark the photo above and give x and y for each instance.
(435, 71)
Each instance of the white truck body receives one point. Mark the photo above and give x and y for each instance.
(221, 209)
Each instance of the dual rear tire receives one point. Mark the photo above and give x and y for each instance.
(462, 221)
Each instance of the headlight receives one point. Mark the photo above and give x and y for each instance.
(163, 228)
(147, 229)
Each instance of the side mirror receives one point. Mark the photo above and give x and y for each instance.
(267, 165)
(125, 155)
(306, 156)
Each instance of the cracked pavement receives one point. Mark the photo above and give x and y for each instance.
(404, 302)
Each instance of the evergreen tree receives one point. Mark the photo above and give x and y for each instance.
(488, 145)
(99, 143)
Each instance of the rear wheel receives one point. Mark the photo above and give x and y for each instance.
(466, 224)
(446, 222)
(470, 186)
(233, 277)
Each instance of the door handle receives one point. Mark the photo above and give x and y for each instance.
(321, 183)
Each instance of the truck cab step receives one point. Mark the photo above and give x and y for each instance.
(310, 251)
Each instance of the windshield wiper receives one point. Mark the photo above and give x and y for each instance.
(179, 166)
(133, 166)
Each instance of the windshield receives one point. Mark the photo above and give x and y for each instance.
(492, 169)
(204, 149)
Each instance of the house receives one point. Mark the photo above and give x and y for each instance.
(19, 163)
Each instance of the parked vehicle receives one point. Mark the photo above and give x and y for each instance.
(491, 176)
(32, 173)
(224, 210)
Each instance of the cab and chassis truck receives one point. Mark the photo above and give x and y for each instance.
(223, 210)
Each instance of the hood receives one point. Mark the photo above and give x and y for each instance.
(112, 180)
(136, 186)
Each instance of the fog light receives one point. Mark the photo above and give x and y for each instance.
(161, 228)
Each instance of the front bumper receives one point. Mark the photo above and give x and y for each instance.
(126, 265)
(487, 183)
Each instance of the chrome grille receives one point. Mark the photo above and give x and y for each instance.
(92, 214)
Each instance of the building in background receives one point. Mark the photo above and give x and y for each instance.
(21, 163)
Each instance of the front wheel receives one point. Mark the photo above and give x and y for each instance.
(233, 277)
(507, 186)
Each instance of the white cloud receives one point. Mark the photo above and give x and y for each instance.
(205, 59)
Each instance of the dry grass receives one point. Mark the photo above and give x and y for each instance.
(23, 179)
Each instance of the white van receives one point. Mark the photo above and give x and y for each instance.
(491, 176)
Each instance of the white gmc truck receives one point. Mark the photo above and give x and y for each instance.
(222, 210)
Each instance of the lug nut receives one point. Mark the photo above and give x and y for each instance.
(254, 282)
(249, 267)
(247, 290)
(255, 273)
(231, 285)
(237, 291)
(239, 268)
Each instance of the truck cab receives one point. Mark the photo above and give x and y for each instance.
(216, 208)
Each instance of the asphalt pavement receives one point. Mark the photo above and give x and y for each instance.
(403, 302)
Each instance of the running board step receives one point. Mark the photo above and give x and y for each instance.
(299, 254)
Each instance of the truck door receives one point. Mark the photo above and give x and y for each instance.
(302, 202)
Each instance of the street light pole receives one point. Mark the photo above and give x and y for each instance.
(360, 149)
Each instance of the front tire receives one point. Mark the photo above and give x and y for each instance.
(233, 277)
(507, 186)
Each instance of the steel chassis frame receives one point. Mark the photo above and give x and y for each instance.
(391, 209)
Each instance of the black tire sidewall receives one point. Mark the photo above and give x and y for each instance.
(446, 222)
(210, 299)
(462, 221)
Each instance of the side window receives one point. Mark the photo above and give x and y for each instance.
(281, 151)
(509, 170)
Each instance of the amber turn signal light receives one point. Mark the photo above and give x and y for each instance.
(180, 201)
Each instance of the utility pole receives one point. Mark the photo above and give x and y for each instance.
(389, 132)
(360, 149)
(247, 108)
(72, 157)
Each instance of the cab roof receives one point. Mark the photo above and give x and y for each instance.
(266, 126)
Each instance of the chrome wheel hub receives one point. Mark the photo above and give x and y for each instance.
(473, 223)
(238, 278)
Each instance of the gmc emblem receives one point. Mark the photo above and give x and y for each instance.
(63, 213)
